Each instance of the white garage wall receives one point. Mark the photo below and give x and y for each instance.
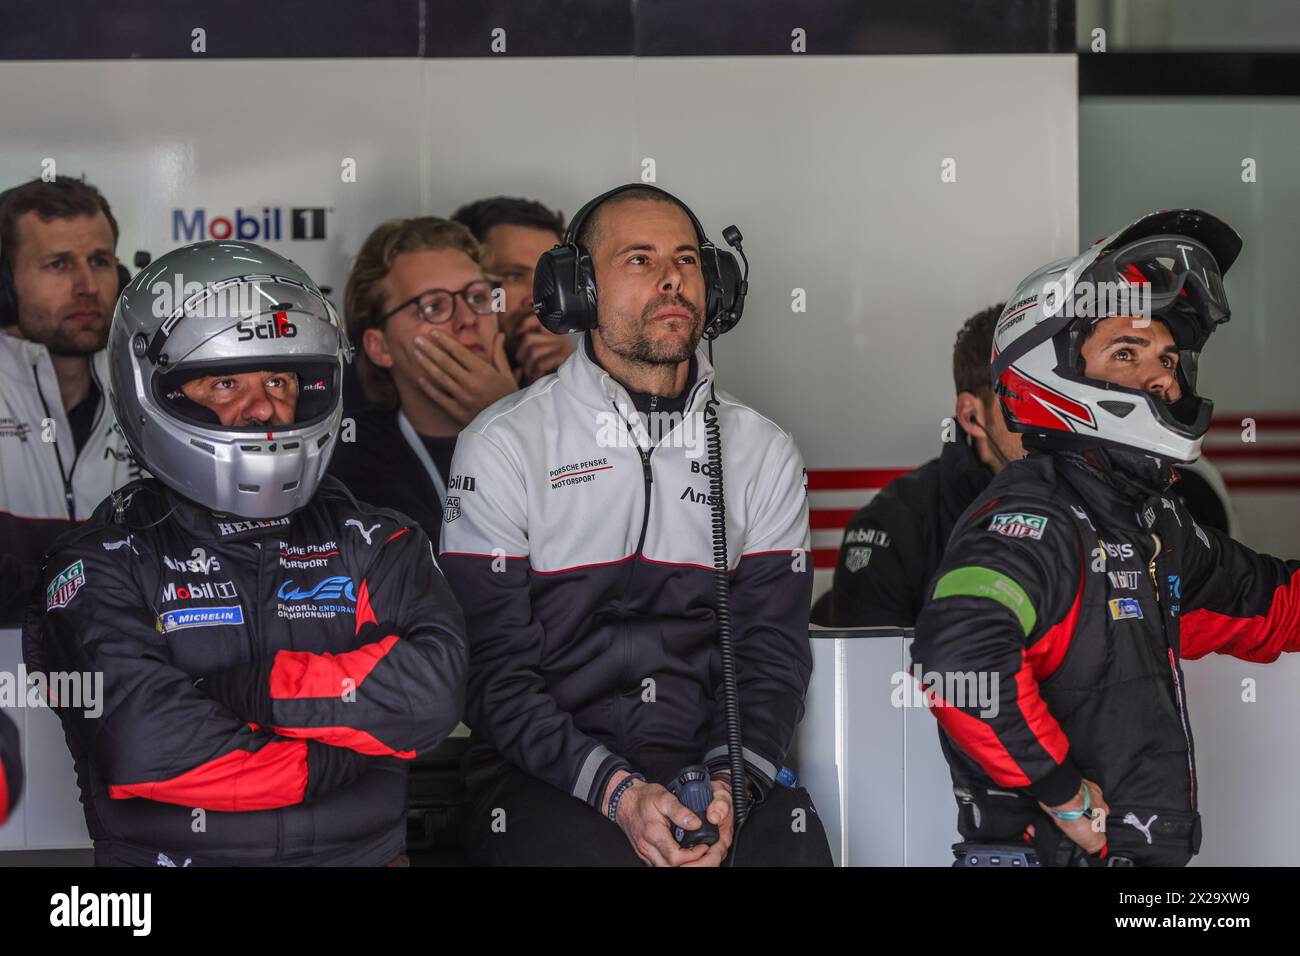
(830, 166)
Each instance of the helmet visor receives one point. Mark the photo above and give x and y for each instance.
(239, 317)
(1156, 272)
(254, 395)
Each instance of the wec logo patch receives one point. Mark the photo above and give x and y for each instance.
(1019, 524)
(65, 586)
(331, 589)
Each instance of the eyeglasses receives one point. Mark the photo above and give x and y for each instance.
(437, 306)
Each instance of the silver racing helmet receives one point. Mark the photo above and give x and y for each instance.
(225, 307)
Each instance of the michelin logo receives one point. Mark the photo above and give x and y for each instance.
(199, 617)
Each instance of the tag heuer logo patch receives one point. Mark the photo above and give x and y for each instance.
(855, 559)
(65, 586)
(451, 510)
(1019, 524)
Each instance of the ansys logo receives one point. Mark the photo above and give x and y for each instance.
(305, 223)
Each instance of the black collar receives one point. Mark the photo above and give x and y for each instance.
(644, 402)
(206, 525)
(1121, 486)
(963, 477)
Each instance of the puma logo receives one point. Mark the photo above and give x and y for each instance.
(365, 532)
(1145, 828)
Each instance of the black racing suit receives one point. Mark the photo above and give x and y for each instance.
(1069, 594)
(893, 544)
(275, 675)
(380, 467)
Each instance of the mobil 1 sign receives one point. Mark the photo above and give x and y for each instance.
(260, 224)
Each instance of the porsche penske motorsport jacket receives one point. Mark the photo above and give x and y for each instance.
(1077, 583)
(277, 674)
(582, 553)
(45, 481)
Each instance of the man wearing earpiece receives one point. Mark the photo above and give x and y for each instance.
(60, 450)
(892, 545)
(577, 536)
(273, 652)
(1077, 582)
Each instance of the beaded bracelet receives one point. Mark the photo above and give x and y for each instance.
(618, 793)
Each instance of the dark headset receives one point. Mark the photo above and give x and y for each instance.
(9, 295)
(564, 282)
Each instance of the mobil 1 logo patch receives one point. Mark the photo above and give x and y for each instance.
(206, 590)
(1125, 580)
(1019, 524)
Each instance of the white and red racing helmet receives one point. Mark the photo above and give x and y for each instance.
(1171, 265)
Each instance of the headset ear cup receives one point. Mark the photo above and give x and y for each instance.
(585, 321)
(725, 303)
(554, 275)
(714, 295)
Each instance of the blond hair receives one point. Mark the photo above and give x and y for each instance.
(365, 293)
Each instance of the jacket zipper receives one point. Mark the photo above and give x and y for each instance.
(1182, 713)
(649, 480)
(1178, 684)
(647, 486)
(65, 474)
(94, 427)
(255, 605)
(647, 483)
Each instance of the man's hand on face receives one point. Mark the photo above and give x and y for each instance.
(459, 380)
(538, 351)
(1081, 831)
(646, 814)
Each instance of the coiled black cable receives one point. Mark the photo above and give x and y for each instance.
(722, 590)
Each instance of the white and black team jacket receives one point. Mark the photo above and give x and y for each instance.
(45, 482)
(582, 554)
